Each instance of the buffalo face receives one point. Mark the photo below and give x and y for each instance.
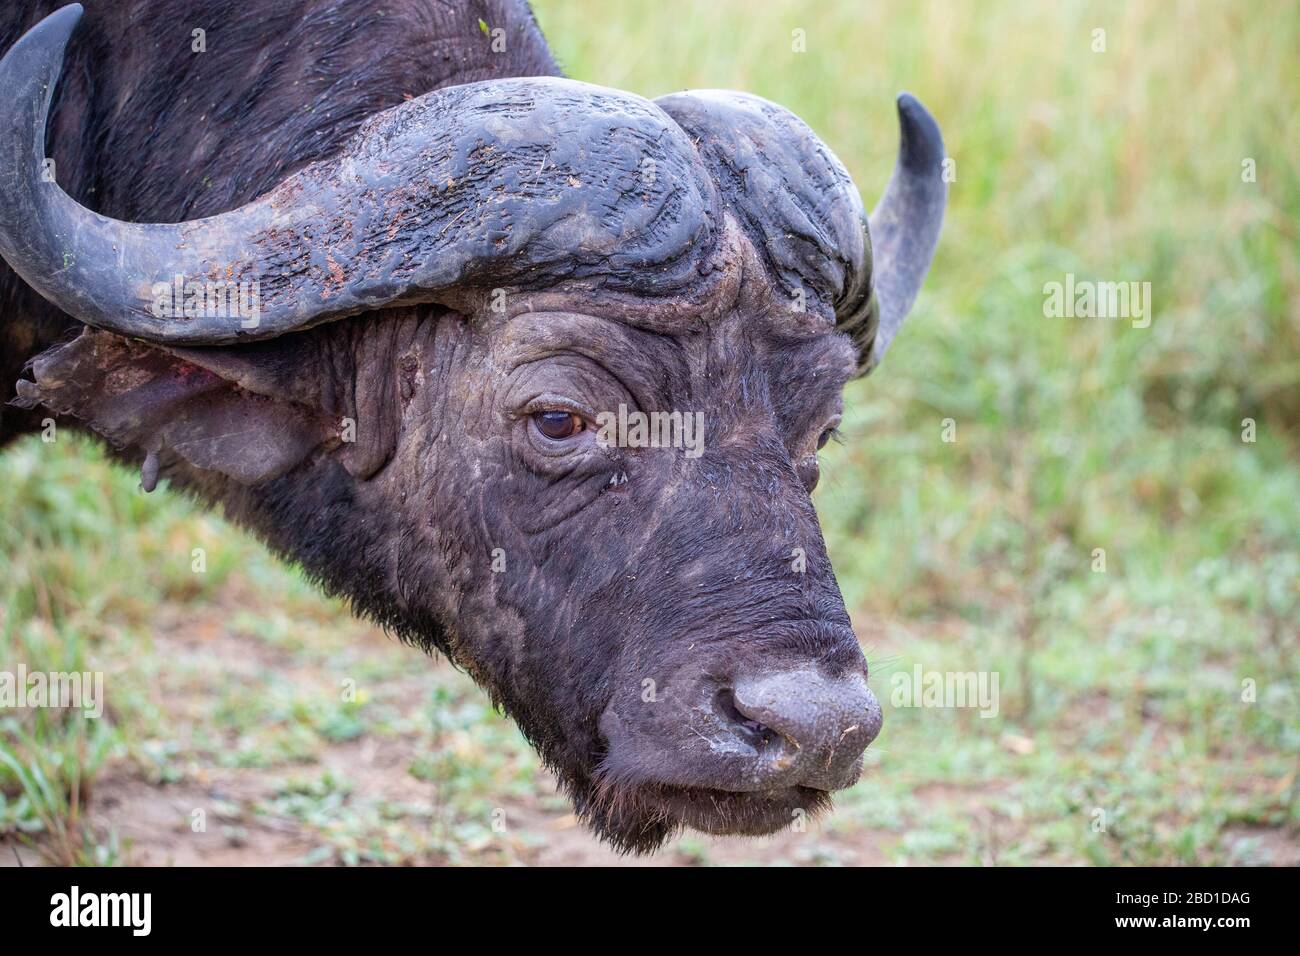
(537, 377)
(662, 621)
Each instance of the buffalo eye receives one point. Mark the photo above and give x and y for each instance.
(557, 425)
(824, 437)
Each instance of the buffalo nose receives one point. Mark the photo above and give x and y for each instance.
(810, 727)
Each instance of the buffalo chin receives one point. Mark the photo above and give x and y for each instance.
(640, 818)
(728, 813)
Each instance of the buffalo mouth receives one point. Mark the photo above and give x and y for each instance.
(740, 813)
(733, 747)
(640, 817)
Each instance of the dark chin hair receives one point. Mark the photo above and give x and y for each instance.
(621, 817)
(639, 819)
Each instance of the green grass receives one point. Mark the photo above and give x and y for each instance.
(1122, 692)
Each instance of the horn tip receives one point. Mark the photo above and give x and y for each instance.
(50, 37)
(922, 141)
(68, 16)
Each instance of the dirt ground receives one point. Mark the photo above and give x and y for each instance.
(202, 658)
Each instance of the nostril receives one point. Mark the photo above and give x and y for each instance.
(754, 731)
(821, 723)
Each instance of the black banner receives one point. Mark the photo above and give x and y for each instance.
(230, 906)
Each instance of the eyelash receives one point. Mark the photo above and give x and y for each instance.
(553, 403)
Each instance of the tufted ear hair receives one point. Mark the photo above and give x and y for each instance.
(804, 215)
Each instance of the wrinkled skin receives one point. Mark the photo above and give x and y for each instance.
(665, 629)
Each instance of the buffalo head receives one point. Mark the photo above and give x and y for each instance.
(536, 373)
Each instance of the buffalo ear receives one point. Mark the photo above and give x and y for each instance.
(351, 373)
(168, 407)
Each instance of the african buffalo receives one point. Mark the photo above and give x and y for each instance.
(396, 270)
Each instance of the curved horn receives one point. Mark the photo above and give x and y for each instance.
(804, 215)
(905, 224)
(517, 182)
(790, 194)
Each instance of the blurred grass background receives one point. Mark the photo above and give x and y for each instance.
(1122, 690)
